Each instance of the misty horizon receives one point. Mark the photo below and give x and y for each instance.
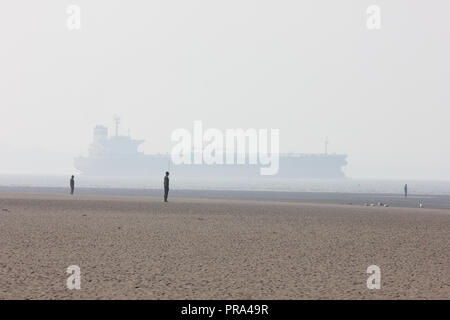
(312, 70)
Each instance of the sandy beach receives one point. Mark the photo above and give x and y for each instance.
(137, 247)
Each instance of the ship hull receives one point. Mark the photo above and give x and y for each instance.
(307, 166)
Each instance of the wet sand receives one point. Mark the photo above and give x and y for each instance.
(431, 201)
(137, 247)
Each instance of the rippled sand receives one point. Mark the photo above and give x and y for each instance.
(141, 248)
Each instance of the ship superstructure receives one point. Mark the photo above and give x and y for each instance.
(118, 155)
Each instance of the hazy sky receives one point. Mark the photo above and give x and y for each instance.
(309, 68)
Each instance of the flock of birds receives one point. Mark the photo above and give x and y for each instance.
(386, 205)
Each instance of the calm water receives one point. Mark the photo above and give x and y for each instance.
(293, 185)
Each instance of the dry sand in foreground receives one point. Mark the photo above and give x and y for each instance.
(141, 248)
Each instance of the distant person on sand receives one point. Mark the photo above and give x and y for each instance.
(166, 186)
(406, 190)
(72, 184)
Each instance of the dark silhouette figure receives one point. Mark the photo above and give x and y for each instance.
(406, 190)
(72, 184)
(166, 186)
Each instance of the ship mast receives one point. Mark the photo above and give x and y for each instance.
(116, 124)
(326, 145)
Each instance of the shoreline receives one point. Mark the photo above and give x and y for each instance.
(344, 198)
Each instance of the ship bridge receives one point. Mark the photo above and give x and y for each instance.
(117, 145)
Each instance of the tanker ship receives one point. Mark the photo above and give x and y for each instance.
(118, 156)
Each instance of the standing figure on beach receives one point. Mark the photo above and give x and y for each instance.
(406, 190)
(166, 186)
(72, 184)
